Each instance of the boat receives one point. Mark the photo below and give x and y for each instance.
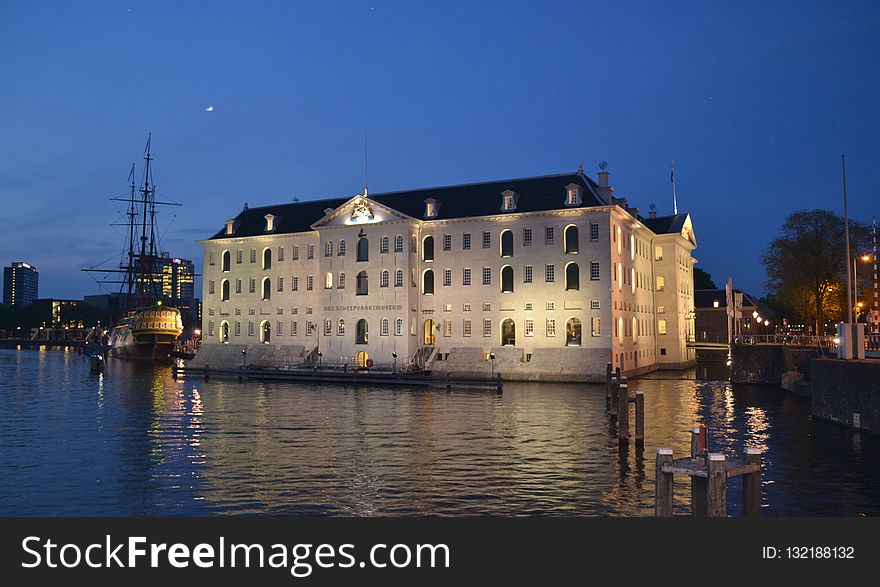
(147, 328)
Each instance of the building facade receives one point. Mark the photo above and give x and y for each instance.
(20, 284)
(540, 278)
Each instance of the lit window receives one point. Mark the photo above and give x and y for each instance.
(661, 326)
(661, 283)
(658, 253)
(328, 281)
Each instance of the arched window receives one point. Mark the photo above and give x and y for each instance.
(361, 287)
(341, 250)
(506, 279)
(340, 328)
(506, 243)
(224, 290)
(265, 332)
(398, 327)
(224, 332)
(362, 334)
(398, 278)
(340, 282)
(398, 244)
(572, 277)
(428, 248)
(571, 239)
(383, 280)
(428, 282)
(226, 260)
(508, 332)
(363, 253)
(383, 327)
(267, 258)
(328, 280)
(328, 249)
(430, 336)
(267, 288)
(573, 332)
(383, 244)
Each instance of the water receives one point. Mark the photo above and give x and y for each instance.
(133, 441)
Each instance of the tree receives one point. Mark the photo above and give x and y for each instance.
(702, 280)
(806, 265)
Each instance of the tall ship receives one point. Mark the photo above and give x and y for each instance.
(146, 328)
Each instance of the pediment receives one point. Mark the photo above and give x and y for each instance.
(360, 210)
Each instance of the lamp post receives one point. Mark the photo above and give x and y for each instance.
(856, 304)
(492, 358)
(243, 359)
(395, 362)
(319, 360)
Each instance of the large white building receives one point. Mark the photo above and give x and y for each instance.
(545, 278)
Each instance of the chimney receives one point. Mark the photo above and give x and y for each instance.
(603, 179)
(245, 206)
(653, 212)
(604, 190)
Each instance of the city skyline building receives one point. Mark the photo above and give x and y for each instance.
(20, 284)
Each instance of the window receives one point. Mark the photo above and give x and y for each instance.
(253, 255)
(237, 328)
(226, 260)
(361, 284)
(428, 248)
(238, 257)
(267, 289)
(447, 242)
(507, 243)
(362, 334)
(466, 241)
(594, 304)
(596, 326)
(594, 231)
(252, 286)
(328, 249)
(618, 239)
(619, 276)
(508, 332)
(447, 277)
(465, 307)
(573, 332)
(398, 244)
(572, 277)
(293, 328)
(211, 287)
(384, 244)
(311, 252)
(529, 306)
(570, 238)
(661, 283)
(487, 307)
(550, 306)
(487, 239)
(549, 236)
(466, 276)
(530, 327)
(310, 283)
(328, 327)
(340, 281)
(661, 326)
(363, 249)
(267, 258)
(280, 286)
(594, 271)
(572, 195)
(466, 327)
(715, 303)
(447, 307)
(340, 328)
(428, 283)
(280, 253)
(328, 280)
(250, 328)
(508, 200)
(432, 206)
(507, 279)
(528, 274)
(296, 253)
(211, 328)
(224, 290)
(658, 253)
(447, 328)
(527, 237)
(632, 247)
(294, 285)
(398, 327)
(487, 327)
(412, 244)
(341, 250)
(632, 279)
(487, 276)
(211, 258)
(238, 286)
(551, 327)
(549, 273)
(384, 278)
(398, 278)
(383, 327)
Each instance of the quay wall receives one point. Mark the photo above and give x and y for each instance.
(847, 392)
(766, 364)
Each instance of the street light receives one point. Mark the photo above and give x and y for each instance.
(865, 259)
(395, 361)
(492, 358)
(320, 354)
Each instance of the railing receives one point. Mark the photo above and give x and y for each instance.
(786, 339)
(872, 342)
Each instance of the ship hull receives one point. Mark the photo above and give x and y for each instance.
(149, 333)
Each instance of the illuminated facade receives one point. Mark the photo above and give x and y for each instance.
(20, 284)
(552, 276)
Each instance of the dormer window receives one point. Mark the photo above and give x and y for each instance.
(230, 226)
(270, 222)
(432, 207)
(573, 194)
(508, 200)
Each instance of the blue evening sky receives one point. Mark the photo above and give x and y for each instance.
(755, 102)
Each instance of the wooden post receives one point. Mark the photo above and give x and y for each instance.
(608, 379)
(615, 390)
(716, 485)
(640, 418)
(663, 484)
(695, 442)
(623, 413)
(617, 373)
(752, 484)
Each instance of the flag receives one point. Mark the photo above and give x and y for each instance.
(672, 175)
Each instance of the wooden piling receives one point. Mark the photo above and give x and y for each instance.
(663, 484)
(640, 418)
(716, 486)
(623, 413)
(608, 379)
(615, 389)
(752, 484)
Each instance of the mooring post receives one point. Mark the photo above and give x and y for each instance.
(716, 485)
(608, 378)
(640, 418)
(663, 484)
(695, 442)
(698, 484)
(615, 389)
(623, 413)
(752, 484)
(617, 373)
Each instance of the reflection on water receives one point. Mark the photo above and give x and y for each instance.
(134, 441)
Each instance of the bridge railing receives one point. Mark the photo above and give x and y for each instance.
(786, 339)
(872, 342)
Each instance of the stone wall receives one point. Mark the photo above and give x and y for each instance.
(765, 364)
(847, 392)
(549, 364)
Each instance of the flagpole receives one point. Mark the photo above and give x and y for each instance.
(674, 200)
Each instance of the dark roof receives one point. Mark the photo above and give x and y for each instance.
(705, 298)
(459, 201)
(665, 224)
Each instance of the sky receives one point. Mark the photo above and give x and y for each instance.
(755, 103)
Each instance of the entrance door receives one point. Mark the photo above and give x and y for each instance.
(430, 336)
(360, 359)
(265, 332)
(508, 333)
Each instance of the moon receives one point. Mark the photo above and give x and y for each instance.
(209, 109)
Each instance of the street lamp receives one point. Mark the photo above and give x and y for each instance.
(395, 361)
(243, 358)
(319, 359)
(856, 304)
(492, 358)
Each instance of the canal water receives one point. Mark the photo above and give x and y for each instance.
(135, 442)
